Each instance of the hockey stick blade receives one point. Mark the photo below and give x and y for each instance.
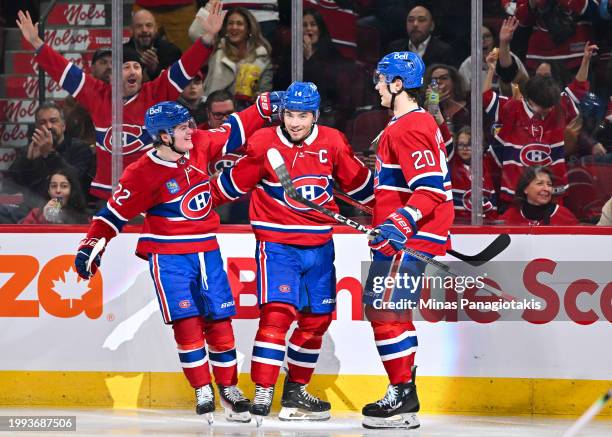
(278, 165)
(99, 247)
(497, 246)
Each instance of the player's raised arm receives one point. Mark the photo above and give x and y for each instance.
(235, 131)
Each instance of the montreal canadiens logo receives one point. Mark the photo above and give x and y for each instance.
(132, 139)
(196, 203)
(467, 200)
(313, 188)
(535, 154)
(226, 161)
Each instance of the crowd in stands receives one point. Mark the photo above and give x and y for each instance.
(547, 97)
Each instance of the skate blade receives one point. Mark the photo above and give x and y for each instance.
(399, 421)
(289, 414)
(209, 418)
(234, 416)
(258, 419)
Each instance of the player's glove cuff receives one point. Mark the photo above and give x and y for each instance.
(405, 220)
(83, 255)
(269, 104)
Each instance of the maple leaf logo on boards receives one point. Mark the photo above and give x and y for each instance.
(69, 286)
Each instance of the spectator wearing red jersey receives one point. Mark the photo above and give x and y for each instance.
(561, 28)
(532, 128)
(533, 203)
(461, 178)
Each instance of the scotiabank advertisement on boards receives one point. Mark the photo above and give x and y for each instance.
(559, 311)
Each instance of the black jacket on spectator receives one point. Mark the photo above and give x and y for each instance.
(167, 53)
(437, 51)
(321, 69)
(31, 175)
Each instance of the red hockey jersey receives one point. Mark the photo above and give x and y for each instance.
(541, 46)
(411, 170)
(322, 158)
(525, 139)
(96, 97)
(461, 178)
(561, 216)
(176, 196)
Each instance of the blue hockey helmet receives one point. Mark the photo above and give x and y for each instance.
(164, 117)
(302, 96)
(408, 66)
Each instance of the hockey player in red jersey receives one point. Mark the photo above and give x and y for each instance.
(170, 183)
(413, 208)
(96, 96)
(295, 254)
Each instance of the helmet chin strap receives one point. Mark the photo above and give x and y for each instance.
(172, 147)
(393, 96)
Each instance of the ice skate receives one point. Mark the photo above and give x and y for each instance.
(298, 404)
(236, 406)
(205, 402)
(262, 403)
(396, 410)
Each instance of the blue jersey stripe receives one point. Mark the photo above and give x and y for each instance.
(108, 215)
(228, 186)
(193, 356)
(302, 357)
(236, 138)
(223, 357)
(294, 230)
(271, 354)
(177, 76)
(400, 346)
(73, 79)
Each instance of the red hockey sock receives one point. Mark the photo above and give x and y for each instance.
(269, 348)
(305, 346)
(396, 343)
(189, 336)
(222, 350)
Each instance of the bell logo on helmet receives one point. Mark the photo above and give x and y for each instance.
(155, 110)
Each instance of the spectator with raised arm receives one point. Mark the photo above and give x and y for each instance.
(241, 62)
(96, 95)
(532, 128)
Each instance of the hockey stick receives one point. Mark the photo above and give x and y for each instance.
(497, 246)
(99, 247)
(588, 415)
(278, 164)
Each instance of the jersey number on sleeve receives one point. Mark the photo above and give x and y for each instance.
(423, 158)
(120, 195)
